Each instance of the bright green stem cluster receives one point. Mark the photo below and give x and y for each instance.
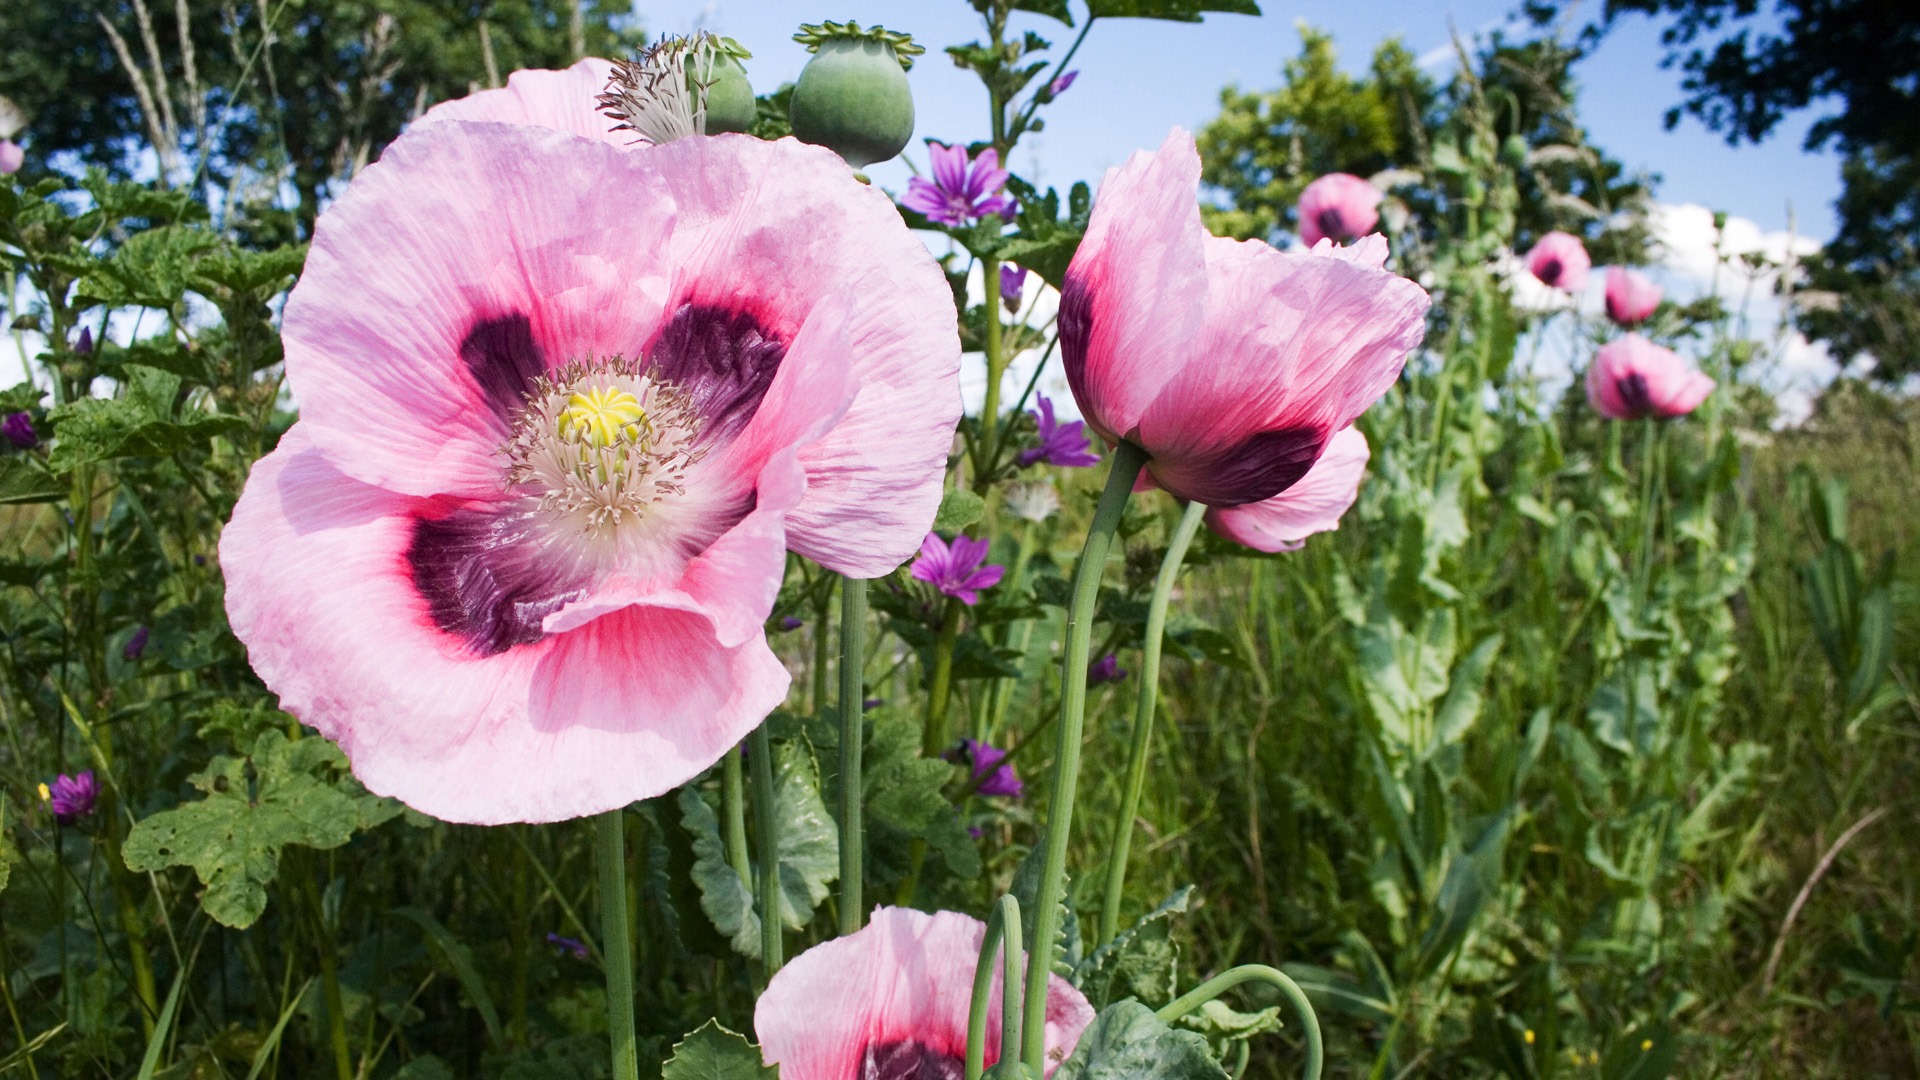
(1128, 460)
(1143, 715)
(610, 862)
(853, 652)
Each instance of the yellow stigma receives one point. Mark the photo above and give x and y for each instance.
(603, 416)
(45, 795)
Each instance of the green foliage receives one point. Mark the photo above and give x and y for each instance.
(143, 421)
(712, 1052)
(1126, 1041)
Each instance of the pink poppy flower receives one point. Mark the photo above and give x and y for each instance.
(1560, 261)
(1633, 378)
(12, 156)
(1338, 207)
(891, 1001)
(1630, 296)
(1313, 505)
(564, 409)
(1231, 364)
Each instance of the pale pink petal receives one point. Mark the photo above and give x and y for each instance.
(542, 98)
(1313, 505)
(1686, 395)
(1295, 347)
(773, 229)
(905, 978)
(625, 706)
(469, 258)
(1632, 377)
(1132, 301)
(1630, 296)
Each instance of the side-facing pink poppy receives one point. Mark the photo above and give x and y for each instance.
(1560, 261)
(1633, 378)
(1231, 364)
(564, 409)
(1630, 296)
(890, 1002)
(1338, 207)
(1313, 505)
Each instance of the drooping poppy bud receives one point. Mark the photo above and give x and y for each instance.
(1630, 296)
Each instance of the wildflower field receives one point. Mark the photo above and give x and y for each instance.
(520, 558)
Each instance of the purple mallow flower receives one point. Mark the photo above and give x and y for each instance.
(135, 645)
(1013, 281)
(574, 946)
(791, 623)
(956, 570)
(870, 704)
(1059, 85)
(960, 192)
(71, 797)
(18, 428)
(987, 761)
(1060, 444)
(1107, 669)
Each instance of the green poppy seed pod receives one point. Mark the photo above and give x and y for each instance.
(852, 97)
(1514, 151)
(730, 104)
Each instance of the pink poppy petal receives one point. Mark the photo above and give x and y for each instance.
(1338, 206)
(902, 985)
(1132, 301)
(537, 97)
(470, 258)
(1685, 397)
(1313, 505)
(627, 706)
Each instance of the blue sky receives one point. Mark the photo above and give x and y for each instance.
(1140, 77)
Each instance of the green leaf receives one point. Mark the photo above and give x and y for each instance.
(1126, 1041)
(809, 839)
(1172, 10)
(255, 806)
(958, 509)
(1140, 961)
(149, 270)
(1053, 9)
(24, 480)
(7, 855)
(459, 960)
(1472, 879)
(714, 1053)
(1025, 888)
(726, 899)
(140, 422)
(904, 793)
(1462, 705)
(1647, 1053)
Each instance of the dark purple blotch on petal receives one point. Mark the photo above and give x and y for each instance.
(1075, 323)
(1634, 393)
(1333, 224)
(1257, 467)
(908, 1060)
(501, 355)
(1550, 271)
(724, 359)
(488, 577)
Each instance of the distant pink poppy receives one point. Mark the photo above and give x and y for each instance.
(1231, 364)
(891, 1001)
(1630, 296)
(1560, 261)
(1313, 505)
(564, 409)
(12, 156)
(1338, 207)
(1632, 378)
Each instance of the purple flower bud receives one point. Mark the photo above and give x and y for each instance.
(18, 428)
(1013, 281)
(84, 345)
(568, 945)
(71, 797)
(791, 623)
(135, 645)
(869, 704)
(1059, 85)
(1107, 669)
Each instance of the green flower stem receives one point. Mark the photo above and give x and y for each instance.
(733, 800)
(853, 656)
(610, 862)
(1003, 923)
(766, 819)
(996, 369)
(1219, 984)
(1128, 460)
(934, 740)
(1122, 837)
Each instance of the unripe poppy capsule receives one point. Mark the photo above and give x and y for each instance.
(852, 97)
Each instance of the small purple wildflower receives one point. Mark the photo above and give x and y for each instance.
(1013, 282)
(1060, 444)
(84, 345)
(1107, 669)
(976, 831)
(791, 623)
(71, 797)
(135, 645)
(18, 428)
(988, 761)
(869, 704)
(956, 570)
(960, 192)
(1059, 85)
(568, 945)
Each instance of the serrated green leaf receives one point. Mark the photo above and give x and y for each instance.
(1126, 1041)
(1221, 1021)
(958, 509)
(809, 839)
(23, 480)
(149, 270)
(712, 1052)
(1025, 888)
(1171, 10)
(724, 897)
(904, 792)
(1140, 962)
(140, 422)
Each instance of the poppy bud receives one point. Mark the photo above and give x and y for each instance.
(852, 97)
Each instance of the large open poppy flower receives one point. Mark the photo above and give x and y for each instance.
(1231, 364)
(1314, 505)
(890, 1002)
(1631, 378)
(564, 409)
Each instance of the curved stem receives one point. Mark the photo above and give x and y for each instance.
(766, 819)
(1273, 977)
(610, 862)
(1128, 460)
(853, 654)
(1003, 922)
(1122, 836)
